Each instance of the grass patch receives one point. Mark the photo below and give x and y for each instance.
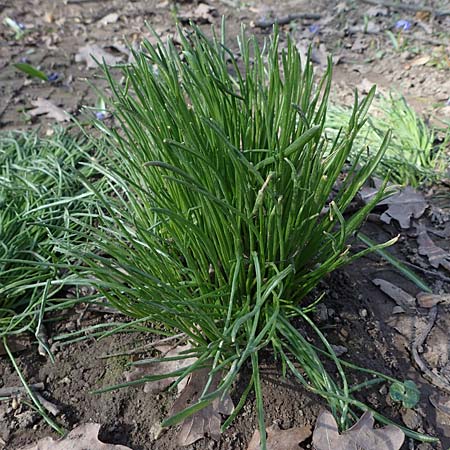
(413, 156)
(40, 202)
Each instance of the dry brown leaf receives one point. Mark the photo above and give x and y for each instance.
(406, 204)
(48, 108)
(420, 60)
(427, 300)
(205, 12)
(202, 13)
(207, 421)
(437, 256)
(361, 436)
(83, 437)
(364, 86)
(401, 297)
(16, 344)
(408, 326)
(375, 11)
(91, 52)
(109, 18)
(278, 439)
(441, 402)
(159, 368)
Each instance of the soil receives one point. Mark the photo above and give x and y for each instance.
(354, 314)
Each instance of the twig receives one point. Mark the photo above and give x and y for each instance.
(426, 40)
(407, 7)
(49, 406)
(81, 1)
(15, 390)
(434, 379)
(143, 348)
(286, 19)
(429, 272)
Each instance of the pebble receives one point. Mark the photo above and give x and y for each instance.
(344, 333)
(411, 419)
(424, 446)
(363, 313)
(397, 310)
(339, 350)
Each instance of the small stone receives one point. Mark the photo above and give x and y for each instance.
(397, 310)
(424, 446)
(344, 333)
(411, 419)
(339, 350)
(15, 403)
(363, 313)
(383, 390)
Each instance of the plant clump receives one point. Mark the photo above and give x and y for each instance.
(227, 205)
(40, 201)
(416, 153)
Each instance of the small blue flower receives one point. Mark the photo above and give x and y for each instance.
(314, 29)
(448, 102)
(53, 76)
(24, 60)
(21, 25)
(101, 115)
(403, 24)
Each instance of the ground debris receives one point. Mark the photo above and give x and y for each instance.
(83, 437)
(207, 421)
(278, 439)
(427, 300)
(48, 108)
(401, 297)
(160, 367)
(403, 206)
(93, 54)
(436, 255)
(361, 436)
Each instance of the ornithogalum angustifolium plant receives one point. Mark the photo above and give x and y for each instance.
(40, 193)
(228, 205)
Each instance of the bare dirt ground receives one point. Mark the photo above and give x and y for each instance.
(375, 331)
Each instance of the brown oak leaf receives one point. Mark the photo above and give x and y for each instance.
(361, 436)
(82, 437)
(278, 439)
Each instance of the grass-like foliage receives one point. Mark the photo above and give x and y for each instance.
(228, 206)
(414, 154)
(39, 191)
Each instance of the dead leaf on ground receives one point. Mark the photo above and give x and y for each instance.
(48, 108)
(427, 300)
(406, 204)
(16, 344)
(319, 55)
(442, 403)
(82, 437)
(375, 11)
(207, 421)
(91, 52)
(361, 436)
(109, 18)
(278, 439)
(408, 326)
(162, 367)
(401, 297)
(436, 255)
(202, 13)
(365, 86)
(420, 60)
